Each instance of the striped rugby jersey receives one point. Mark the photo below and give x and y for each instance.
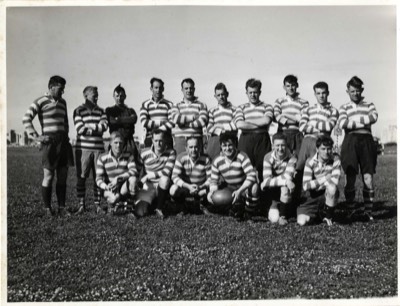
(154, 115)
(315, 172)
(184, 128)
(288, 106)
(192, 172)
(353, 116)
(277, 172)
(109, 167)
(248, 111)
(318, 119)
(53, 116)
(222, 117)
(234, 172)
(85, 119)
(159, 165)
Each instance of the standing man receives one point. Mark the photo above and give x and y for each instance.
(220, 120)
(154, 113)
(358, 148)
(90, 123)
(253, 119)
(317, 120)
(54, 142)
(190, 116)
(158, 163)
(287, 112)
(123, 119)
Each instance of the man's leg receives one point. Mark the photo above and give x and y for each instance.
(349, 188)
(96, 189)
(368, 194)
(331, 197)
(61, 190)
(252, 199)
(47, 182)
(162, 194)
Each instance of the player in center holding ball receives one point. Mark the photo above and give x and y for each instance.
(232, 171)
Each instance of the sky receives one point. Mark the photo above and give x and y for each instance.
(106, 46)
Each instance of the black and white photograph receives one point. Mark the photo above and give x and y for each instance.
(228, 152)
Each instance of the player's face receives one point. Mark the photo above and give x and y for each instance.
(355, 94)
(228, 148)
(56, 91)
(188, 91)
(193, 148)
(222, 96)
(280, 147)
(324, 152)
(253, 93)
(119, 97)
(116, 146)
(158, 143)
(322, 95)
(157, 90)
(290, 88)
(92, 96)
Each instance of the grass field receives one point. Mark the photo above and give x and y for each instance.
(96, 257)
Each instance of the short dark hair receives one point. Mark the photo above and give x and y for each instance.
(158, 132)
(199, 139)
(291, 79)
(187, 80)
(253, 83)
(279, 136)
(119, 89)
(324, 140)
(116, 134)
(156, 80)
(322, 85)
(87, 89)
(224, 137)
(220, 86)
(55, 80)
(355, 82)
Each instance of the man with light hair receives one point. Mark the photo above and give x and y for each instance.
(116, 172)
(90, 123)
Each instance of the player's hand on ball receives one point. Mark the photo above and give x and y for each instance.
(236, 196)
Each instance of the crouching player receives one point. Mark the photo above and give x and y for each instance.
(279, 168)
(158, 162)
(190, 183)
(234, 168)
(116, 173)
(321, 179)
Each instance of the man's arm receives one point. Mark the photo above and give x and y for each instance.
(145, 120)
(28, 118)
(202, 120)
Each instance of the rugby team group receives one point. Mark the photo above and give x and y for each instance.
(217, 161)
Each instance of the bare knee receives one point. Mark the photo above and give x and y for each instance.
(303, 219)
(48, 176)
(164, 182)
(173, 190)
(254, 190)
(368, 180)
(273, 213)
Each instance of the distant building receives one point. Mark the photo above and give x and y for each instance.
(12, 137)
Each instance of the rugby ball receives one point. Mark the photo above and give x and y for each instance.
(222, 197)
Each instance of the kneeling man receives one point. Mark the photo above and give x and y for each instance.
(190, 183)
(278, 173)
(321, 179)
(158, 162)
(116, 172)
(234, 169)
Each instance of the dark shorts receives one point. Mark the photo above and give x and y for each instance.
(255, 145)
(358, 152)
(213, 147)
(308, 149)
(294, 138)
(57, 153)
(314, 204)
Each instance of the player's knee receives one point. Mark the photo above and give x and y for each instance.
(164, 182)
(368, 180)
(48, 176)
(254, 190)
(286, 196)
(132, 183)
(302, 220)
(273, 214)
(331, 190)
(173, 190)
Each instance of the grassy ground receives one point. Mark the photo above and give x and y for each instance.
(93, 258)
